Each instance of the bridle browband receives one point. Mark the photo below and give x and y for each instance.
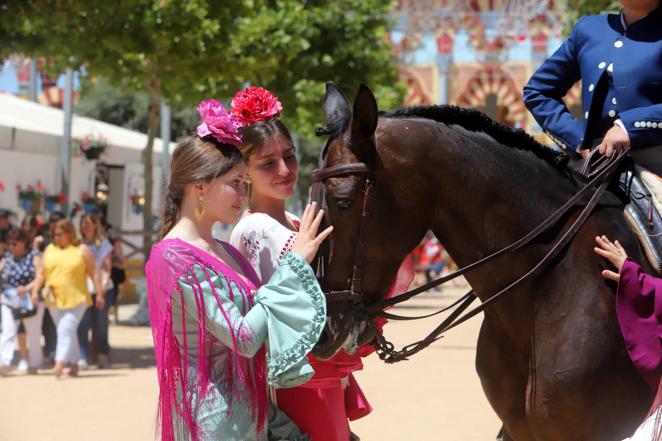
(598, 180)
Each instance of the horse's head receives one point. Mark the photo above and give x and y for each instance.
(367, 204)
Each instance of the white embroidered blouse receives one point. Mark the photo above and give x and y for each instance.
(263, 241)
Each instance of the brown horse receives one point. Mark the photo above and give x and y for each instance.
(550, 355)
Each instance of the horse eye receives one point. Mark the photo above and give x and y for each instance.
(343, 204)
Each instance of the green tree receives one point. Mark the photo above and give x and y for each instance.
(186, 51)
(101, 100)
(161, 47)
(311, 43)
(580, 8)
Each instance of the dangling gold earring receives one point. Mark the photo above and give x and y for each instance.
(199, 210)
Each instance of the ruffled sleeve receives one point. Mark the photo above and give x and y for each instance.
(296, 312)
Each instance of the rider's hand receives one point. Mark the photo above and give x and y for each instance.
(614, 253)
(308, 241)
(614, 141)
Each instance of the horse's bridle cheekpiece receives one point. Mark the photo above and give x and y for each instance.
(318, 195)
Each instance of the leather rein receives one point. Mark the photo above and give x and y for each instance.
(598, 180)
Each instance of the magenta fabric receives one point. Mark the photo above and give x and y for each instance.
(245, 378)
(639, 310)
(356, 403)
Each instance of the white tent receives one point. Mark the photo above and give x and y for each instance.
(21, 119)
(30, 151)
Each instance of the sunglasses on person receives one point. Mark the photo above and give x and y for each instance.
(59, 233)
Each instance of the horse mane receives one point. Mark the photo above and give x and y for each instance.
(476, 121)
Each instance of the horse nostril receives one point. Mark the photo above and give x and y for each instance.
(323, 338)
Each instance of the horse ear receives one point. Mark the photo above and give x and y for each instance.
(336, 109)
(364, 124)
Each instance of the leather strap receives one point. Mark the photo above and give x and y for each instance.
(321, 174)
(386, 350)
(389, 355)
(541, 228)
(391, 316)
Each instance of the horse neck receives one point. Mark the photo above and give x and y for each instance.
(486, 196)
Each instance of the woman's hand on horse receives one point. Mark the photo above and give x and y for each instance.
(614, 253)
(308, 241)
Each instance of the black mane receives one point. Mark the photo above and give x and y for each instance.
(476, 121)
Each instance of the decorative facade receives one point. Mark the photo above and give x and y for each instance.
(48, 93)
(477, 53)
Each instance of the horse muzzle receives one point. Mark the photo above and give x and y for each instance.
(337, 332)
(344, 331)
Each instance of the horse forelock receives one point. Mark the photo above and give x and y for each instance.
(475, 121)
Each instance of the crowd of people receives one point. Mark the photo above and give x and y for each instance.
(57, 282)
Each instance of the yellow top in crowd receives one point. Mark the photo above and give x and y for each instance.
(66, 277)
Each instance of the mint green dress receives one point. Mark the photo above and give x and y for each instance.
(288, 316)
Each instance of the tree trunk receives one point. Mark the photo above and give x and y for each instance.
(152, 127)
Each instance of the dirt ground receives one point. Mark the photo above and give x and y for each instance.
(434, 396)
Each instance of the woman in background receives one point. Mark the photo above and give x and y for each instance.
(17, 275)
(96, 319)
(67, 265)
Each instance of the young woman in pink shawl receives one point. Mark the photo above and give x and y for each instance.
(322, 406)
(639, 311)
(219, 334)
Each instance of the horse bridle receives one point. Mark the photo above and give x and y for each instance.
(599, 176)
(318, 194)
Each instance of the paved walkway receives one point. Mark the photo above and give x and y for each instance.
(434, 396)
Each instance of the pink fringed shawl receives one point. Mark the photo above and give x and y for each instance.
(243, 378)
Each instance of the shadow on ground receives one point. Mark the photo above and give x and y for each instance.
(132, 358)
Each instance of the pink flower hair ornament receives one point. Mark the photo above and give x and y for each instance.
(255, 104)
(218, 122)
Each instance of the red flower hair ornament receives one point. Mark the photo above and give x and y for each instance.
(255, 104)
(218, 122)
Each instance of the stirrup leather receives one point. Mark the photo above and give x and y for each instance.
(642, 213)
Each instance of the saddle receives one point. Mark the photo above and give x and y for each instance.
(643, 190)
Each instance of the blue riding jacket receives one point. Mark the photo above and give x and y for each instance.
(621, 73)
